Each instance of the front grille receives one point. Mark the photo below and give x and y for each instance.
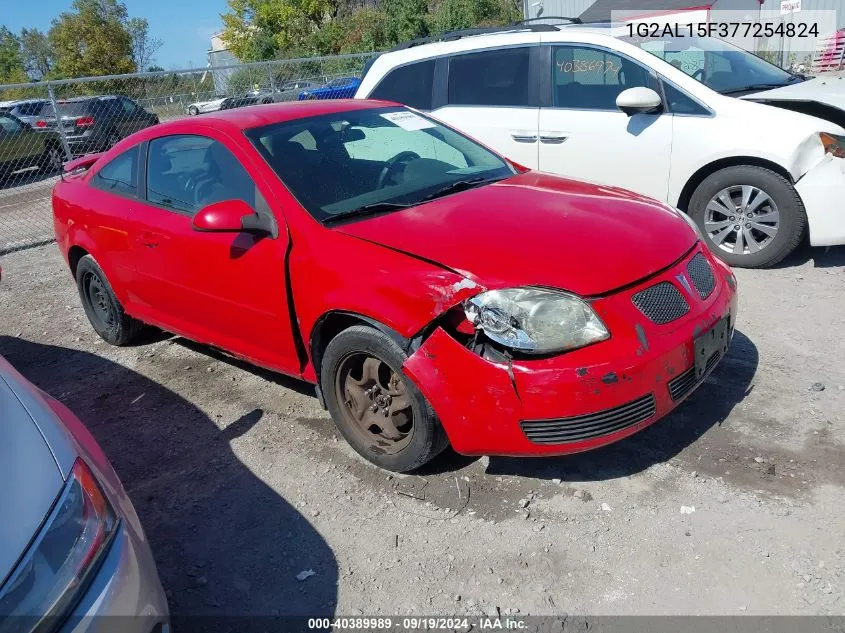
(681, 386)
(662, 303)
(701, 275)
(590, 425)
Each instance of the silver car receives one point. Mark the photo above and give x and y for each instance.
(71, 545)
(27, 110)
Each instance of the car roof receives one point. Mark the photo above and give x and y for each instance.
(474, 39)
(260, 115)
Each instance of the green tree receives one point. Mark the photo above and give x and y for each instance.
(406, 19)
(263, 29)
(37, 54)
(450, 15)
(144, 47)
(154, 69)
(11, 60)
(92, 39)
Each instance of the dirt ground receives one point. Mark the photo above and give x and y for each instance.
(242, 483)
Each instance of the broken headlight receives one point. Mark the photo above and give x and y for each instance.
(535, 320)
(833, 144)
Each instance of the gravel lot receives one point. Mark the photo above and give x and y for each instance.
(242, 483)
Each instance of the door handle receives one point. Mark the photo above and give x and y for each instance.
(523, 136)
(553, 138)
(150, 240)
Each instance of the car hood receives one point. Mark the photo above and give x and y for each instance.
(538, 229)
(823, 97)
(30, 477)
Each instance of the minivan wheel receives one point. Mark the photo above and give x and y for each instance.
(751, 217)
(376, 408)
(101, 306)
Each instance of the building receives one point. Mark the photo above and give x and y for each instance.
(220, 61)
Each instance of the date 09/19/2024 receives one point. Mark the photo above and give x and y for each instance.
(723, 29)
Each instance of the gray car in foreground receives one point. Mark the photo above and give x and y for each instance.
(71, 545)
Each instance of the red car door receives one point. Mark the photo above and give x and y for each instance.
(224, 289)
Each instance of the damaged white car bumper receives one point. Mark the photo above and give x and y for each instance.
(822, 190)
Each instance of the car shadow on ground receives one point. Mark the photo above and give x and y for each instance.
(709, 405)
(226, 544)
(821, 256)
(27, 177)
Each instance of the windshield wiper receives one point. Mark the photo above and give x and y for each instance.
(377, 208)
(460, 185)
(752, 88)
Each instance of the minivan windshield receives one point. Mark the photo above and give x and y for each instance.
(364, 162)
(717, 64)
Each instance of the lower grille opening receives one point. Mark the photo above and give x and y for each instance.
(590, 425)
(680, 386)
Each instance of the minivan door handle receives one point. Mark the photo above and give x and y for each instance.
(553, 137)
(523, 136)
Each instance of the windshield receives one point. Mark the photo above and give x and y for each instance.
(375, 159)
(717, 64)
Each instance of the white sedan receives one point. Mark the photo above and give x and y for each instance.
(754, 154)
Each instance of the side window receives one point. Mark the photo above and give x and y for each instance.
(186, 173)
(680, 103)
(120, 175)
(591, 79)
(383, 143)
(10, 125)
(409, 84)
(490, 78)
(129, 107)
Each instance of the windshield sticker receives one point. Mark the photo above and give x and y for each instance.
(408, 120)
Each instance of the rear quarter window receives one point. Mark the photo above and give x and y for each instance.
(410, 85)
(120, 175)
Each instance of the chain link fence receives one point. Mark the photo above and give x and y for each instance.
(45, 124)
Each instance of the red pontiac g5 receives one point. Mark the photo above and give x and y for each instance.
(433, 291)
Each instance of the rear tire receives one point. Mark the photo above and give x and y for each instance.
(193, 110)
(417, 435)
(754, 206)
(104, 311)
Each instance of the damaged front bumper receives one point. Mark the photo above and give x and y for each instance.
(822, 190)
(582, 399)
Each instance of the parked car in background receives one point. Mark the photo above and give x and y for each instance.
(22, 147)
(71, 545)
(435, 292)
(287, 91)
(342, 88)
(658, 116)
(211, 105)
(93, 124)
(27, 110)
(240, 101)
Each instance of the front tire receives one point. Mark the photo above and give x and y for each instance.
(376, 408)
(52, 159)
(751, 217)
(104, 311)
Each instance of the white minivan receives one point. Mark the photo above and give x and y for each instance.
(754, 154)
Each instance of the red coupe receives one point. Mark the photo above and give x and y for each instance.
(434, 291)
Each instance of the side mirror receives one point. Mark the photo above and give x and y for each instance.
(638, 101)
(231, 216)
